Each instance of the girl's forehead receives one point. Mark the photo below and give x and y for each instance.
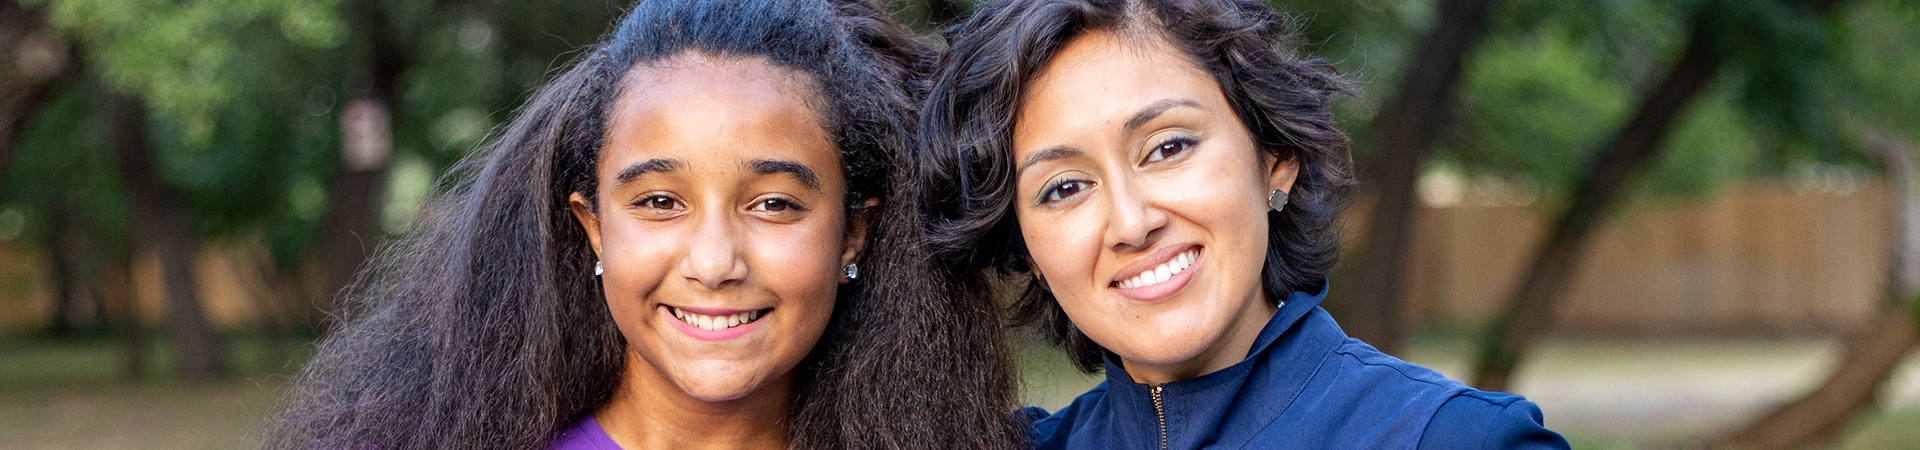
(717, 114)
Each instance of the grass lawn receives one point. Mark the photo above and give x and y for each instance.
(72, 394)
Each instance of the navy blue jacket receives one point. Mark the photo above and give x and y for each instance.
(1304, 385)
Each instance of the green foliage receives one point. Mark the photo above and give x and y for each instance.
(1556, 79)
(181, 56)
(245, 98)
(60, 163)
(1367, 41)
(1535, 105)
(246, 93)
(1871, 76)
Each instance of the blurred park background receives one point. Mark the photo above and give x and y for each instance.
(1672, 223)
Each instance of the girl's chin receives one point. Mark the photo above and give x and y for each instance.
(726, 383)
(718, 391)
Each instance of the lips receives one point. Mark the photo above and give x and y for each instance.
(1163, 272)
(714, 324)
(1160, 275)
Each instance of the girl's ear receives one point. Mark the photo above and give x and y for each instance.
(583, 212)
(857, 226)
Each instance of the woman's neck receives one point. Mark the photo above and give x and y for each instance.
(649, 412)
(1228, 349)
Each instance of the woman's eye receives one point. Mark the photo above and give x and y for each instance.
(1062, 190)
(1170, 148)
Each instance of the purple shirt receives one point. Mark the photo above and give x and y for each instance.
(586, 435)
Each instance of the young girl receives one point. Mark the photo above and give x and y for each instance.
(690, 239)
(1168, 175)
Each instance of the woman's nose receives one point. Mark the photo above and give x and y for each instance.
(1134, 219)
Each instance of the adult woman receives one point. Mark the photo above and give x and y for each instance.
(688, 239)
(1168, 173)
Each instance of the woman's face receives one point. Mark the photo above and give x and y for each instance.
(1142, 199)
(720, 222)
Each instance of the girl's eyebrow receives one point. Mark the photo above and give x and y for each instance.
(655, 165)
(792, 169)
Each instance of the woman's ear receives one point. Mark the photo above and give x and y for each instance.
(1282, 173)
(857, 226)
(583, 212)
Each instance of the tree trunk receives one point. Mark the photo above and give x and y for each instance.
(1530, 308)
(1407, 129)
(116, 286)
(1819, 416)
(351, 229)
(162, 228)
(32, 57)
(272, 289)
(64, 259)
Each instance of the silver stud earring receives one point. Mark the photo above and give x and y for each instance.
(1277, 200)
(599, 268)
(853, 271)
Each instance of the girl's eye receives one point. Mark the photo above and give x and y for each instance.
(775, 205)
(659, 202)
(1171, 148)
(1062, 190)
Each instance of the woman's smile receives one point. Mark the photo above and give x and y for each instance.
(715, 324)
(1150, 224)
(1159, 275)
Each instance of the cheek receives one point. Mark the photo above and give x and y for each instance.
(1227, 202)
(801, 265)
(1063, 246)
(637, 261)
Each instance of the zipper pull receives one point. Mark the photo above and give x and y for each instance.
(1160, 411)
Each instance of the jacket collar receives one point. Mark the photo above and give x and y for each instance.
(1194, 409)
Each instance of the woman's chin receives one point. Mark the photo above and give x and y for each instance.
(1172, 353)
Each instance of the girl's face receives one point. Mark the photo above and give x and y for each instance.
(720, 223)
(1142, 199)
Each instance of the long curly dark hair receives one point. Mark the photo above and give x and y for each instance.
(967, 124)
(485, 327)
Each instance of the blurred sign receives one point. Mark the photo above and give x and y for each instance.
(366, 134)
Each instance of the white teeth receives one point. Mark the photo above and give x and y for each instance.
(714, 323)
(1163, 272)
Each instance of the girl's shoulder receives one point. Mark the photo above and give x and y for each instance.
(583, 435)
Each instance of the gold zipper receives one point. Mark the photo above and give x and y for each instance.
(1160, 410)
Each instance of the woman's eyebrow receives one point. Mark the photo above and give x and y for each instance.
(1154, 110)
(792, 169)
(1057, 152)
(655, 165)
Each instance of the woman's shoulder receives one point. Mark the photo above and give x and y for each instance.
(1495, 420)
(1466, 417)
(1455, 415)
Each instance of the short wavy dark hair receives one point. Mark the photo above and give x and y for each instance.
(966, 135)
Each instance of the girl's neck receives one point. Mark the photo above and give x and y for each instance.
(649, 412)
